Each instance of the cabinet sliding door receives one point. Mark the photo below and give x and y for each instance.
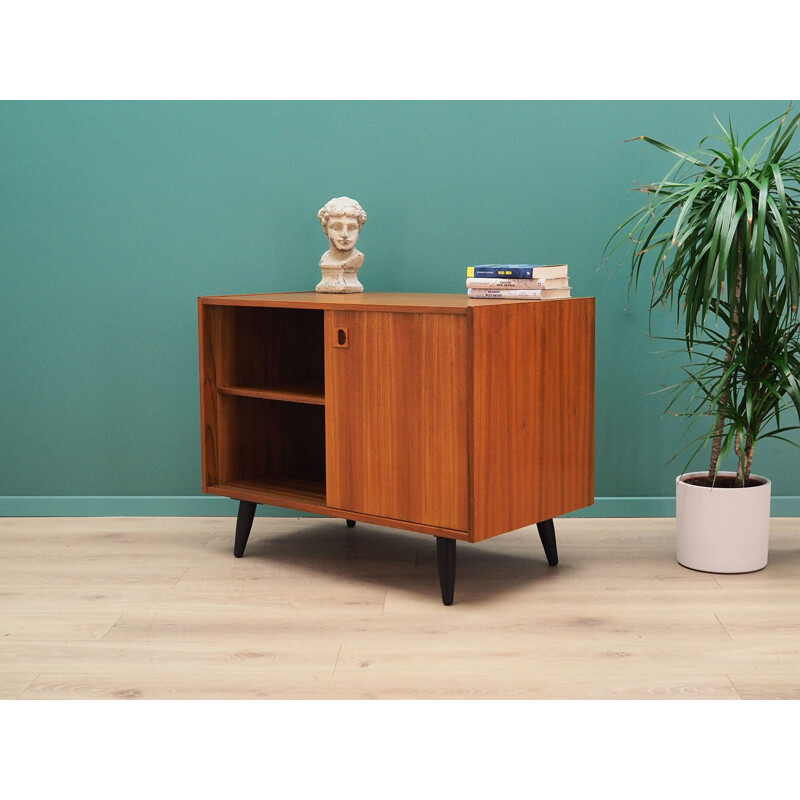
(396, 415)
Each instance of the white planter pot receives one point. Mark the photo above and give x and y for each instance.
(722, 530)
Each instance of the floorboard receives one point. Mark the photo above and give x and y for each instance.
(126, 608)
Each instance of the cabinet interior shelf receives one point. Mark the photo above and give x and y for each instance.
(314, 394)
(278, 488)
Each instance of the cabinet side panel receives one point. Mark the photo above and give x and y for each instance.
(533, 413)
(396, 416)
(208, 340)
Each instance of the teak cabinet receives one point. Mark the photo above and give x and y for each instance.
(450, 416)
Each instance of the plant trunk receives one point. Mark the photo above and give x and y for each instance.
(745, 462)
(733, 335)
(716, 446)
(748, 459)
(737, 448)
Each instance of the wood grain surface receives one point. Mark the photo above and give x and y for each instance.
(396, 424)
(127, 608)
(532, 413)
(457, 417)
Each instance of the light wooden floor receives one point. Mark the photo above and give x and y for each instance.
(159, 608)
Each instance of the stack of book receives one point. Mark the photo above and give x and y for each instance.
(520, 281)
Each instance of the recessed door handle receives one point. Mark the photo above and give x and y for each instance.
(341, 339)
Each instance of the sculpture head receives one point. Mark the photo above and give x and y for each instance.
(342, 219)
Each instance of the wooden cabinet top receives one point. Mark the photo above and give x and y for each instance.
(367, 301)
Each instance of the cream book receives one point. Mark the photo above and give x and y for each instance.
(519, 294)
(518, 283)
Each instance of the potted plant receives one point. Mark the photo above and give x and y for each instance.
(721, 234)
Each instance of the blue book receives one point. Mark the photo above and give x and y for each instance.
(517, 271)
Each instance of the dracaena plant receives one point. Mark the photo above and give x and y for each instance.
(720, 235)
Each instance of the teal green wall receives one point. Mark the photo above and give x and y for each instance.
(116, 216)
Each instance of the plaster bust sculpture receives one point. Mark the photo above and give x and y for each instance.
(342, 219)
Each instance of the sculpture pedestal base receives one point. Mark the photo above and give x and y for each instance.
(336, 280)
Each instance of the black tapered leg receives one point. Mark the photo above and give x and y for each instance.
(351, 523)
(547, 533)
(244, 522)
(446, 559)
